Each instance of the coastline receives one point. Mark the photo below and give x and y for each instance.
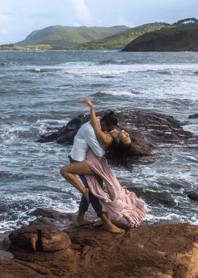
(151, 250)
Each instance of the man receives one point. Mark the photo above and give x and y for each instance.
(85, 139)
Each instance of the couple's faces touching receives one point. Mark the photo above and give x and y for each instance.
(118, 136)
(107, 128)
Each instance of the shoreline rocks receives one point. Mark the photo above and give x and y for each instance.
(151, 250)
(149, 132)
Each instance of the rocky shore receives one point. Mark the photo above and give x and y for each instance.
(151, 134)
(52, 246)
(149, 131)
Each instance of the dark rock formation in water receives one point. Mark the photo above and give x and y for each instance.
(194, 116)
(151, 250)
(148, 132)
(193, 195)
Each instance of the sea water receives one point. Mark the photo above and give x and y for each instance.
(43, 90)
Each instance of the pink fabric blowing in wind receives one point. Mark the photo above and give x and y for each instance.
(122, 203)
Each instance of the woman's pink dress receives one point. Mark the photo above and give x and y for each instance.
(122, 203)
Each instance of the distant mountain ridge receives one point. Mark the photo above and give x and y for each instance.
(181, 36)
(120, 40)
(69, 36)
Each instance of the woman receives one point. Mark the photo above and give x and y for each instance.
(122, 203)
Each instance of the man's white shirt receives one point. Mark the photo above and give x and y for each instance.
(84, 140)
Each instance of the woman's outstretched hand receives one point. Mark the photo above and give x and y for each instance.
(88, 101)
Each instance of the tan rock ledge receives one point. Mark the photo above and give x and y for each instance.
(158, 250)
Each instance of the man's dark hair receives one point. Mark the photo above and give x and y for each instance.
(110, 119)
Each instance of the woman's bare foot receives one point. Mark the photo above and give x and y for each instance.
(113, 229)
(86, 195)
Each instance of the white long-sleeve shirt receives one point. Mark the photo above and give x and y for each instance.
(85, 139)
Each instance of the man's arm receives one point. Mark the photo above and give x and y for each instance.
(91, 139)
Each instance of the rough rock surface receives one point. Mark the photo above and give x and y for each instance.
(161, 250)
(39, 238)
(193, 195)
(194, 116)
(148, 131)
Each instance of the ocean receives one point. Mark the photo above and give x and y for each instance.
(43, 90)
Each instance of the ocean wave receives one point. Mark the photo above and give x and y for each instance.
(2, 91)
(37, 70)
(108, 62)
(63, 87)
(19, 208)
(114, 93)
(114, 62)
(165, 72)
(26, 81)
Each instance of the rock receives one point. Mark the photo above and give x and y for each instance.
(148, 131)
(4, 256)
(25, 238)
(193, 195)
(65, 134)
(195, 116)
(158, 250)
(53, 240)
(39, 238)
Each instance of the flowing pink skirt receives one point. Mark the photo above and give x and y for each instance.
(122, 203)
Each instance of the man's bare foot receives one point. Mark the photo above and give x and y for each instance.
(82, 222)
(86, 195)
(113, 229)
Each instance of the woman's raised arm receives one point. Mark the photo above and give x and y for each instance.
(104, 139)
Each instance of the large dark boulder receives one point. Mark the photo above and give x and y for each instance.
(194, 116)
(149, 133)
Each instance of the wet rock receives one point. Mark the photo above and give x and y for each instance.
(53, 240)
(39, 238)
(65, 134)
(195, 116)
(148, 131)
(25, 238)
(4, 256)
(158, 250)
(193, 195)
(2, 209)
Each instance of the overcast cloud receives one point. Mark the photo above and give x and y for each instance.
(18, 18)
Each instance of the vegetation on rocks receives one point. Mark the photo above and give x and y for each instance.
(119, 40)
(68, 36)
(181, 36)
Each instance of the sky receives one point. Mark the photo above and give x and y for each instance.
(18, 18)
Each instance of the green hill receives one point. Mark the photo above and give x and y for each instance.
(181, 36)
(119, 40)
(69, 36)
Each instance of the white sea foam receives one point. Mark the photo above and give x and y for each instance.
(119, 93)
(192, 128)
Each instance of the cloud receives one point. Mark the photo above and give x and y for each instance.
(80, 5)
(2, 16)
(82, 11)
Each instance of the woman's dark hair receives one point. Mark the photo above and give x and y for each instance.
(117, 154)
(110, 119)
